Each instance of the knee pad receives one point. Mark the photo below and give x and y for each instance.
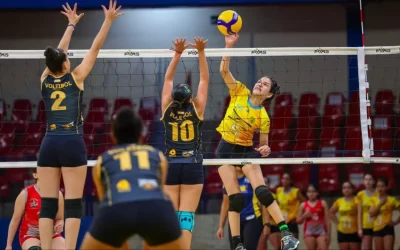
(236, 202)
(35, 248)
(73, 208)
(186, 220)
(49, 208)
(264, 195)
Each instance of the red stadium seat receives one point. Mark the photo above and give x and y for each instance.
(274, 174)
(333, 116)
(3, 110)
(353, 141)
(301, 176)
(383, 147)
(33, 138)
(353, 121)
(330, 141)
(121, 102)
(283, 105)
(335, 99)
(305, 142)
(355, 175)
(41, 114)
(384, 102)
(7, 136)
(354, 103)
(99, 104)
(280, 146)
(281, 123)
(382, 126)
(213, 183)
(307, 122)
(328, 177)
(309, 105)
(17, 176)
(21, 114)
(278, 135)
(4, 188)
(384, 170)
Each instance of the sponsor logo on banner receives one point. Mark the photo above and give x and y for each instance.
(259, 52)
(383, 50)
(70, 54)
(193, 52)
(321, 51)
(308, 162)
(131, 53)
(245, 162)
(3, 54)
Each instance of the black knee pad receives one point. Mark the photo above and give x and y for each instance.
(49, 208)
(35, 248)
(236, 202)
(264, 195)
(73, 208)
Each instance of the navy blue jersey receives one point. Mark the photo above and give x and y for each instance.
(130, 172)
(182, 135)
(63, 101)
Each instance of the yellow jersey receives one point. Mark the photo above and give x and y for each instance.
(242, 119)
(347, 215)
(365, 200)
(288, 203)
(386, 213)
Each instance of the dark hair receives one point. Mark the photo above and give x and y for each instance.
(313, 186)
(33, 171)
(384, 180)
(275, 88)
(127, 126)
(55, 59)
(181, 95)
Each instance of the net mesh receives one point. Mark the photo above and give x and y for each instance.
(307, 118)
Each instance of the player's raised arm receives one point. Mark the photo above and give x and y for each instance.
(166, 98)
(224, 67)
(202, 92)
(73, 20)
(19, 208)
(111, 14)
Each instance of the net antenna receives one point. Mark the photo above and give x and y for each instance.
(274, 57)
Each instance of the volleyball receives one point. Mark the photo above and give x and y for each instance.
(229, 22)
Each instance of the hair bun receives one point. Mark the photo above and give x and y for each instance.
(50, 52)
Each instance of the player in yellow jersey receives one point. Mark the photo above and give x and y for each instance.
(244, 116)
(346, 206)
(364, 220)
(381, 211)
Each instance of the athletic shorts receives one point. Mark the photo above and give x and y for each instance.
(348, 238)
(23, 238)
(386, 231)
(62, 151)
(153, 220)
(368, 231)
(185, 174)
(226, 150)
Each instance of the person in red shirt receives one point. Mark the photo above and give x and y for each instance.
(27, 207)
(315, 216)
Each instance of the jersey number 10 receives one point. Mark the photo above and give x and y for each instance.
(185, 130)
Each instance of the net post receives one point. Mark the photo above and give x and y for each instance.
(365, 119)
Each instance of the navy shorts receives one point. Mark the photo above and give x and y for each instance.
(226, 150)
(153, 220)
(185, 174)
(62, 151)
(368, 231)
(386, 231)
(250, 232)
(348, 238)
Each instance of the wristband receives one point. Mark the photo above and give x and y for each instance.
(267, 225)
(73, 26)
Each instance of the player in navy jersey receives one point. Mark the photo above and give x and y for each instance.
(63, 148)
(182, 118)
(129, 179)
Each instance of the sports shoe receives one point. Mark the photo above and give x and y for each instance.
(288, 241)
(240, 247)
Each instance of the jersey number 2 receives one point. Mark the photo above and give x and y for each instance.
(58, 96)
(186, 130)
(125, 160)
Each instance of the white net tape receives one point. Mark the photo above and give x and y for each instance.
(296, 66)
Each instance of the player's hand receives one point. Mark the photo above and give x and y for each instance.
(112, 12)
(180, 45)
(231, 40)
(307, 214)
(264, 150)
(199, 43)
(220, 233)
(73, 18)
(59, 226)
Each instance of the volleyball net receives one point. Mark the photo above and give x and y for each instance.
(317, 118)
